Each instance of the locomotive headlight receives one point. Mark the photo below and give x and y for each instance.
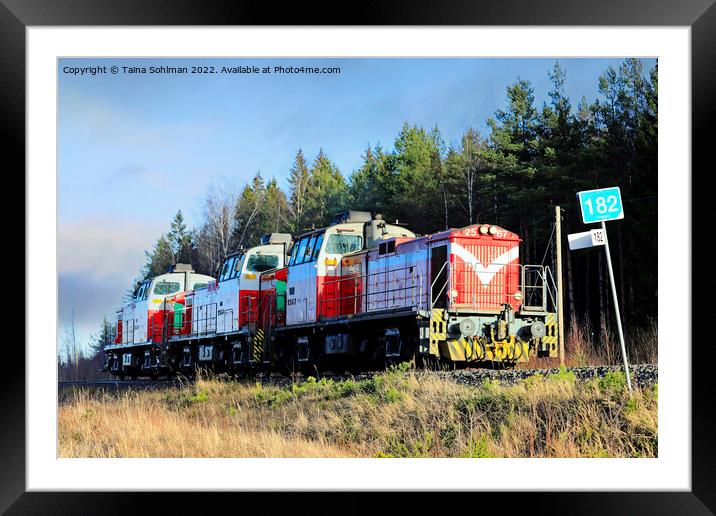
(453, 293)
(484, 230)
(493, 230)
(518, 295)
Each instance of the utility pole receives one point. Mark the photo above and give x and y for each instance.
(560, 309)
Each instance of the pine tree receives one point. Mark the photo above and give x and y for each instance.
(327, 192)
(160, 258)
(298, 184)
(180, 240)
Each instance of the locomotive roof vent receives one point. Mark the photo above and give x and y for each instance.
(276, 238)
(351, 216)
(180, 267)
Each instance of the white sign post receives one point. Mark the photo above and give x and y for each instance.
(600, 206)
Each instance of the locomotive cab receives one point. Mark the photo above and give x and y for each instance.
(141, 324)
(230, 303)
(314, 268)
(142, 320)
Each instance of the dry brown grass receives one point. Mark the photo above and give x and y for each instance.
(392, 415)
(582, 348)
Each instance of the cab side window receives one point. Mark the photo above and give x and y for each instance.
(317, 247)
(294, 253)
(236, 270)
(308, 254)
(300, 251)
(228, 268)
(142, 291)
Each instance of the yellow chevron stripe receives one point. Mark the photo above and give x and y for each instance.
(258, 345)
(467, 349)
(438, 330)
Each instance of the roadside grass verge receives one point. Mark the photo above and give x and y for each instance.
(395, 414)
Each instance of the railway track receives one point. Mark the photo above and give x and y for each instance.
(120, 384)
(643, 375)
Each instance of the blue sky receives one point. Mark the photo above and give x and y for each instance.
(134, 148)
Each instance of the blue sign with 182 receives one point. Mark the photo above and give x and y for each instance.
(601, 205)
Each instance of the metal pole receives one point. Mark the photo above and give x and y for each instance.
(560, 310)
(616, 305)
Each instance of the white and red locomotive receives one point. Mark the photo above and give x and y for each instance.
(360, 293)
(141, 324)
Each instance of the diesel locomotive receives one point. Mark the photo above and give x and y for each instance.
(357, 294)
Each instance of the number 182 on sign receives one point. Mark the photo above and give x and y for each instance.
(601, 205)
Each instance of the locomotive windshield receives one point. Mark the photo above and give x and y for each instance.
(261, 262)
(344, 244)
(164, 288)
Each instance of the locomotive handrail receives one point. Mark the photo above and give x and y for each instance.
(484, 293)
(249, 314)
(530, 290)
(414, 277)
(194, 332)
(437, 276)
(551, 291)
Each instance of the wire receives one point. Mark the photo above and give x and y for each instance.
(551, 237)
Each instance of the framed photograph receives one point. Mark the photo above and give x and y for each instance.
(414, 254)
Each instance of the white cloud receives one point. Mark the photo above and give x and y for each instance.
(97, 259)
(104, 246)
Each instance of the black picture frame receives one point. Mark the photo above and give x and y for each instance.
(700, 15)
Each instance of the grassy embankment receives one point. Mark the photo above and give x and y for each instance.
(391, 415)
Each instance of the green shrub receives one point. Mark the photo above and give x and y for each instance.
(563, 375)
(399, 447)
(613, 382)
(630, 406)
(199, 397)
(477, 449)
(448, 436)
(391, 395)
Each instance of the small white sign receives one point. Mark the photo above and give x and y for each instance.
(592, 238)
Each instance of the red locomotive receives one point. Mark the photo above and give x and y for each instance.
(359, 293)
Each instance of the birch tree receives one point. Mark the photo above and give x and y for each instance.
(213, 239)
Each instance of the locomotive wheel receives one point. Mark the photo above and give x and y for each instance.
(121, 376)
